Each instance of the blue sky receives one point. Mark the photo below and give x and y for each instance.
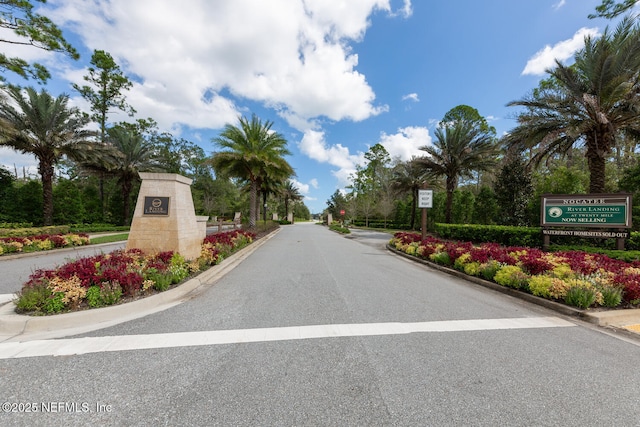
(335, 76)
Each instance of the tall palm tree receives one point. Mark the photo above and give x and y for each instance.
(289, 192)
(458, 150)
(252, 152)
(132, 154)
(589, 103)
(39, 124)
(409, 177)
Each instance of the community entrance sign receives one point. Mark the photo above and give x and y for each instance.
(165, 218)
(591, 211)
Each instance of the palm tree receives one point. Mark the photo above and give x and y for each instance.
(289, 192)
(132, 154)
(409, 177)
(459, 149)
(253, 152)
(124, 154)
(589, 103)
(39, 124)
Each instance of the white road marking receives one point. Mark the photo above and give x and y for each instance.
(72, 346)
(6, 298)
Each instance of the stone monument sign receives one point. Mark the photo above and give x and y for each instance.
(164, 218)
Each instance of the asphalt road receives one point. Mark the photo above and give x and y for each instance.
(315, 329)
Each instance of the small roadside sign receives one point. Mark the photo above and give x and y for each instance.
(425, 198)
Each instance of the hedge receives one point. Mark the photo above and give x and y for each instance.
(523, 236)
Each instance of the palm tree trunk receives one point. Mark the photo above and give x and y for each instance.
(597, 146)
(286, 208)
(264, 206)
(414, 202)
(46, 172)
(253, 196)
(596, 174)
(101, 187)
(126, 205)
(451, 186)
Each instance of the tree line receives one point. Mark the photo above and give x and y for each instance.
(577, 132)
(92, 176)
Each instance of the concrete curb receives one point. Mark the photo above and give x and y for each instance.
(16, 327)
(608, 318)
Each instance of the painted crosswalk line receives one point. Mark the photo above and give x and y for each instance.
(77, 346)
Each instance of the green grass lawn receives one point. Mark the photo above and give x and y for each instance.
(109, 239)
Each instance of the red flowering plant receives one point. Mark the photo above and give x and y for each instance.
(41, 242)
(574, 277)
(219, 245)
(101, 280)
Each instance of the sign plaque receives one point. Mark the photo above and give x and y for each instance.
(156, 206)
(425, 198)
(587, 210)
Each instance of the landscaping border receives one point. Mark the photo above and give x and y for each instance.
(18, 327)
(609, 318)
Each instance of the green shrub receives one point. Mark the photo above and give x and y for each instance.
(512, 276)
(54, 304)
(110, 292)
(161, 281)
(611, 296)
(34, 231)
(504, 235)
(540, 285)
(178, 268)
(97, 227)
(472, 268)
(16, 225)
(340, 229)
(440, 258)
(633, 242)
(489, 269)
(461, 261)
(581, 297)
(32, 298)
(94, 297)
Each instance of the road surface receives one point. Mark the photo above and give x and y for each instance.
(318, 329)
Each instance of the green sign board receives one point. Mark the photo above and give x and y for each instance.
(586, 210)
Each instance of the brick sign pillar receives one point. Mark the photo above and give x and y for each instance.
(164, 218)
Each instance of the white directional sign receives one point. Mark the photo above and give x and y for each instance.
(425, 198)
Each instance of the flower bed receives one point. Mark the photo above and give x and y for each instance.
(107, 279)
(576, 278)
(42, 242)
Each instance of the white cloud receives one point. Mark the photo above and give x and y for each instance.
(406, 142)
(411, 97)
(314, 146)
(561, 51)
(303, 188)
(559, 4)
(306, 188)
(406, 10)
(291, 55)
(402, 145)
(16, 162)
